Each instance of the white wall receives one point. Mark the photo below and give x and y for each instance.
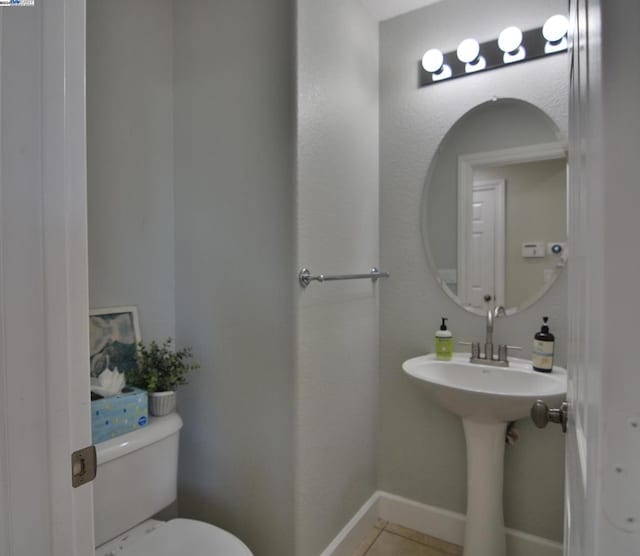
(337, 232)
(234, 133)
(130, 159)
(422, 452)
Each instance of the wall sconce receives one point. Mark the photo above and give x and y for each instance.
(469, 54)
(512, 46)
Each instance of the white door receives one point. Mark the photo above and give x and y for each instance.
(483, 266)
(44, 379)
(603, 440)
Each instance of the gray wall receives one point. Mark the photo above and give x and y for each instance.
(130, 159)
(422, 452)
(337, 232)
(234, 114)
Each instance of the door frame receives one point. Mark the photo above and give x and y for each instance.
(56, 294)
(466, 164)
(66, 257)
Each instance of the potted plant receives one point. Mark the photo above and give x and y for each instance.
(160, 370)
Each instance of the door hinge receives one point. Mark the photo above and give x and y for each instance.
(83, 466)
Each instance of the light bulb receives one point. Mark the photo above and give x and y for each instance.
(432, 60)
(510, 39)
(555, 28)
(468, 50)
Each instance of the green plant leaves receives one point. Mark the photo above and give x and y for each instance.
(160, 368)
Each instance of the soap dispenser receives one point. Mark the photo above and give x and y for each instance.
(543, 347)
(444, 342)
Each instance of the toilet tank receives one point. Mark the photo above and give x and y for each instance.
(137, 476)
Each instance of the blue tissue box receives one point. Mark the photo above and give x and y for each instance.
(126, 412)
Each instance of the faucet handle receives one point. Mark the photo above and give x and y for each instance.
(475, 348)
(503, 351)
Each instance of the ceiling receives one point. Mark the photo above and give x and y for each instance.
(386, 9)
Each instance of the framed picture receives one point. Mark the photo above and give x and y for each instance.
(114, 333)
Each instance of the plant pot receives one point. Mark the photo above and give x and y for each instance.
(162, 403)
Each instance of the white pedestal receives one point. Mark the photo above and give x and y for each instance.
(484, 532)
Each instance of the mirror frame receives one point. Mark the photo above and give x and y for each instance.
(530, 153)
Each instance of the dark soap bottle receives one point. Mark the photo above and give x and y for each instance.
(543, 348)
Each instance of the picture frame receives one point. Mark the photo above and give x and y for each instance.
(114, 333)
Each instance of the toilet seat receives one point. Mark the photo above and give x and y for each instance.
(185, 537)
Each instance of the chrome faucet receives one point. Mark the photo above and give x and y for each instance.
(488, 358)
(492, 314)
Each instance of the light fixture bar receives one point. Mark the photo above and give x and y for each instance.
(533, 43)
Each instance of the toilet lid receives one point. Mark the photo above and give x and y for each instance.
(185, 537)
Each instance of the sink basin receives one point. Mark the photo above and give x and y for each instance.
(483, 393)
(486, 398)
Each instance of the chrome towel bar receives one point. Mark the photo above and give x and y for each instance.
(305, 278)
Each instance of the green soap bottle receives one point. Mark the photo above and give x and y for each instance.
(444, 342)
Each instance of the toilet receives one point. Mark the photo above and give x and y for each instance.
(137, 477)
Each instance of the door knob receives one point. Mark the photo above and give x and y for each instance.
(542, 415)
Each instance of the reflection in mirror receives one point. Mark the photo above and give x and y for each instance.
(494, 216)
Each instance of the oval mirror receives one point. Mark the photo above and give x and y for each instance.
(494, 214)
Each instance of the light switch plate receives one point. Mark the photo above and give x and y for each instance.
(534, 250)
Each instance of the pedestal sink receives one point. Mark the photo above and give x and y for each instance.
(487, 399)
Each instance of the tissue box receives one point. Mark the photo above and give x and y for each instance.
(126, 412)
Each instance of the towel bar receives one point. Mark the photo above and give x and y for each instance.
(305, 277)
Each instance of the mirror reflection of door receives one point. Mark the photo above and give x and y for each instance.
(482, 270)
(535, 219)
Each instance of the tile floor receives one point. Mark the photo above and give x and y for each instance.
(389, 539)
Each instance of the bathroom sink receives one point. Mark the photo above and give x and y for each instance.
(486, 394)
(487, 398)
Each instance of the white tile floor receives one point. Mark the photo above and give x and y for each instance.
(389, 539)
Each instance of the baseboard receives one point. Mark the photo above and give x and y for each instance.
(353, 533)
(437, 522)
(430, 520)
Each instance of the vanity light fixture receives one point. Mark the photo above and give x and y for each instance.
(433, 62)
(469, 54)
(555, 31)
(512, 46)
(510, 42)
